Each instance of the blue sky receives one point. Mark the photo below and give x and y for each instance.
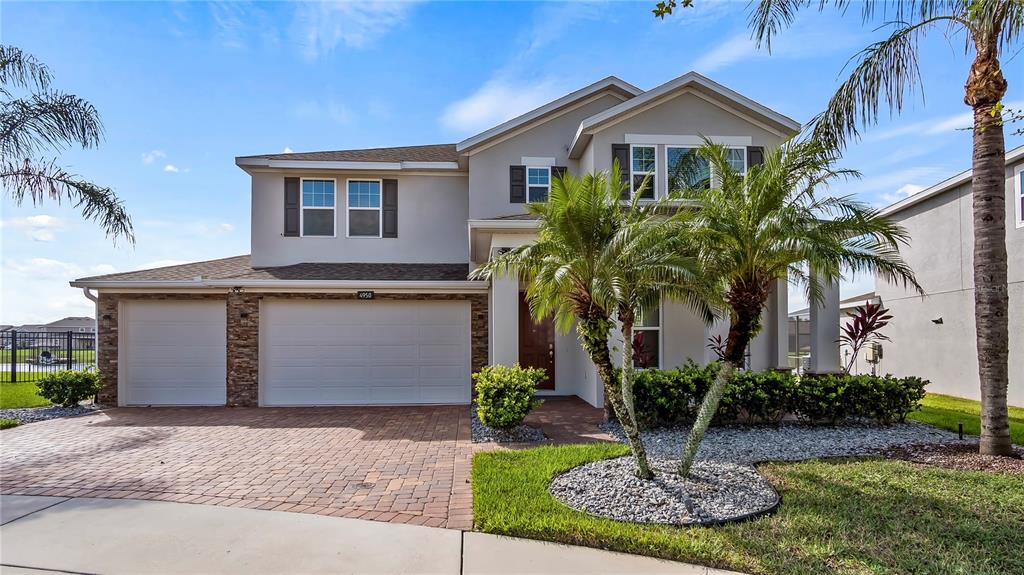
(185, 87)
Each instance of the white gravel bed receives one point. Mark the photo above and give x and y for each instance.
(714, 493)
(789, 441)
(33, 414)
(520, 434)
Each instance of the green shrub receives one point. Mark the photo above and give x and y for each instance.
(67, 388)
(674, 396)
(8, 423)
(504, 395)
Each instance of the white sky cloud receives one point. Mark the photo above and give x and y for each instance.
(962, 121)
(286, 150)
(39, 228)
(152, 156)
(171, 168)
(321, 26)
(330, 109)
(801, 42)
(904, 191)
(497, 101)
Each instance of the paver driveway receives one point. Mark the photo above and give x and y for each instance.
(397, 464)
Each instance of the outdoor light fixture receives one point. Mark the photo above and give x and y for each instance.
(237, 290)
(937, 321)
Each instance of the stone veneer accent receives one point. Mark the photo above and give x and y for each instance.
(243, 328)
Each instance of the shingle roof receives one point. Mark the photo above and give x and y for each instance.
(428, 153)
(239, 268)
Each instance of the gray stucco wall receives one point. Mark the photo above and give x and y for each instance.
(488, 169)
(684, 115)
(432, 212)
(941, 254)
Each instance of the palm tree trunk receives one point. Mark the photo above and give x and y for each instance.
(984, 89)
(708, 407)
(628, 422)
(593, 334)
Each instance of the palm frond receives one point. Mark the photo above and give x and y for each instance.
(21, 69)
(49, 119)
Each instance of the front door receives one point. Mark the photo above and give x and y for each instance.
(536, 343)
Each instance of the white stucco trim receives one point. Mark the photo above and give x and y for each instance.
(504, 224)
(1018, 192)
(329, 165)
(944, 186)
(537, 162)
(688, 141)
(586, 92)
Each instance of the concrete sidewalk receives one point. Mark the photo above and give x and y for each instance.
(112, 536)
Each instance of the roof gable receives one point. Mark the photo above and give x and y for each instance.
(690, 82)
(611, 84)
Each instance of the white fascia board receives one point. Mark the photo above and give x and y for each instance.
(944, 186)
(330, 165)
(285, 285)
(654, 94)
(537, 113)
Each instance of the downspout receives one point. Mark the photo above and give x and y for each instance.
(96, 320)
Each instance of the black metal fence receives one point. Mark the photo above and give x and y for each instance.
(28, 355)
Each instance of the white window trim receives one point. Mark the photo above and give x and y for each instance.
(711, 167)
(380, 209)
(1018, 185)
(661, 322)
(302, 208)
(654, 174)
(529, 185)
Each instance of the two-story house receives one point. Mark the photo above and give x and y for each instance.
(356, 290)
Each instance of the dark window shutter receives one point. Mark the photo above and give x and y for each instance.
(620, 152)
(755, 156)
(517, 184)
(557, 171)
(291, 207)
(389, 209)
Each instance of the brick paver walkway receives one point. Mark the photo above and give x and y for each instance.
(396, 464)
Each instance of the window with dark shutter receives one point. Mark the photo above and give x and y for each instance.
(620, 153)
(389, 207)
(291, 207)
(517, 184)
(755, 156)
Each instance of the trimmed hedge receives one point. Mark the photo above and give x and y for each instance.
(674, 396)
(504, 395)
(68, 387)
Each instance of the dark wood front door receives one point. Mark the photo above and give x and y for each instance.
(536, 343)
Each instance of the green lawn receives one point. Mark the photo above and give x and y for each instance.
(13, 395)
(853, 516)
(946, 411)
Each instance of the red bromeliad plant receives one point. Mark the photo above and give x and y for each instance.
(863, 328)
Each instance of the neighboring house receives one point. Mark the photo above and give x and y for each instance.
(934, 336)
(356, 290)
(74, 324)
(800, 335)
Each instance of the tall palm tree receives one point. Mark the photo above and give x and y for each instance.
(886, 72)
(751, 230)
(566, 276)
(42, 121)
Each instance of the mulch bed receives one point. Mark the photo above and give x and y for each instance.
(960, 457)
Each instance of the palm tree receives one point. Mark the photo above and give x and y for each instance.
(567, 278)
(751, 230)
(45, 121)
(888, 71)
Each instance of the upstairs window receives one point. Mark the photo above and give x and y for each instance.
(647, 338)
(687, 169)
(364, 211)
(738, 160)
(538, 184)
(318, 208)
(643, 166)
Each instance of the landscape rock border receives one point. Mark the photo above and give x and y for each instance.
(519, 434)
(716, 493)
(25, 415)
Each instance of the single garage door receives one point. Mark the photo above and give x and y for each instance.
(364, 352)
(173, 353)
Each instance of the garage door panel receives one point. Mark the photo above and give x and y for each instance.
(379, 352)
(173, 352)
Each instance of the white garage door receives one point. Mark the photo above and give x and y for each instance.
(173, 353)
(364, 352)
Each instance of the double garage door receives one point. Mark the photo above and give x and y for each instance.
(311, 352)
